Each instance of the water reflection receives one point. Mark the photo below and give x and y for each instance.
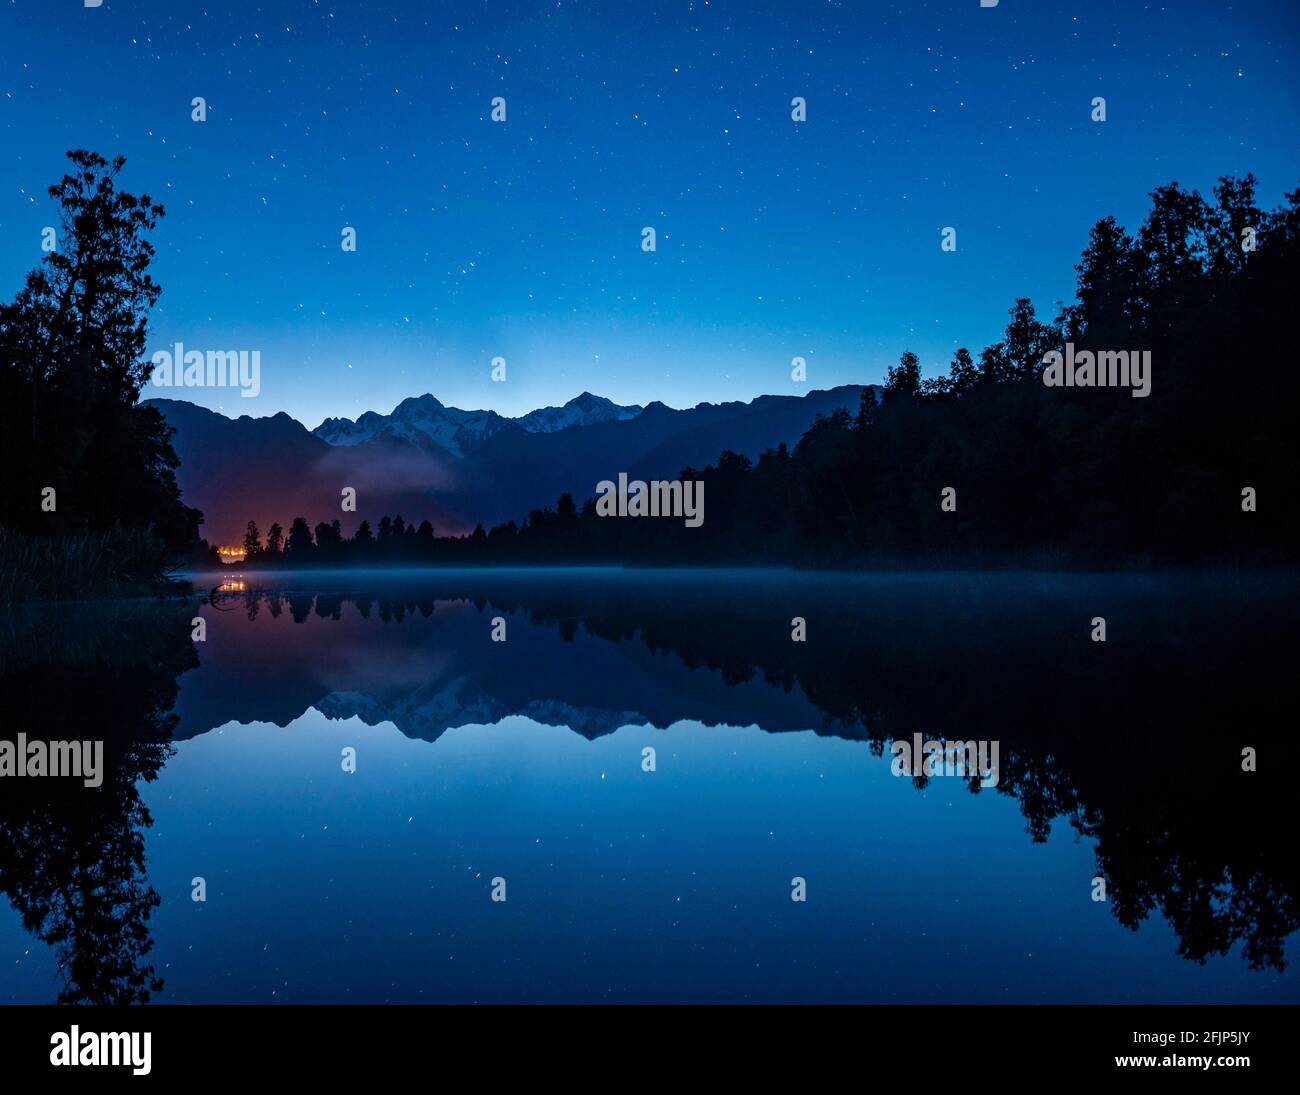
(1135, 744)
(72, 857)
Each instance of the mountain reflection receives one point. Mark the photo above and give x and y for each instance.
(1135, 743)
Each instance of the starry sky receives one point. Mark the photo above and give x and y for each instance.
(522, 239)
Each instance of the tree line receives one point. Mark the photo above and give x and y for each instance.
(1197, 473)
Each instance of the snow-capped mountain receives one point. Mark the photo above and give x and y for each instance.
(422, 419)
(419, 420)
(582, 410)
(458, 468)
(427, 712)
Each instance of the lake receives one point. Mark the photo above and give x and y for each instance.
(609, 786)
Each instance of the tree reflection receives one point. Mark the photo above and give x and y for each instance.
(72, 857)
(1113, 741)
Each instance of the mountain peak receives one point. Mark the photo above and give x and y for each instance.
(426, 402)
(584, 409)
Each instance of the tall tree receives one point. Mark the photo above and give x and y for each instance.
(299, 545)
(72, 367)
(905, 377)
(1234, 215)
(1108, 284)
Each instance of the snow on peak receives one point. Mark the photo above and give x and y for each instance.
(582, 410)
(422, 420)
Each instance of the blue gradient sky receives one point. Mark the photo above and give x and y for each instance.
(522, 239)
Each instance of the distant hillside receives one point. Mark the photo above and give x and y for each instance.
(458, 468)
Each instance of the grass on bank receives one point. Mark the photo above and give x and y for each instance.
(118, 563)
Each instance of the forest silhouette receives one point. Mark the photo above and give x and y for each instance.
(1042, 475)
(1036, 475)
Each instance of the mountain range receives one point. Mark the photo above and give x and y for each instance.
(423, 421)
(433, 674)
(458, 468)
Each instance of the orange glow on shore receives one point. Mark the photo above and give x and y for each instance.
(231, 554)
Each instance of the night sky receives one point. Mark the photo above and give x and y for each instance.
(523, 239)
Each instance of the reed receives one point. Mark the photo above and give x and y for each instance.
(116, 562)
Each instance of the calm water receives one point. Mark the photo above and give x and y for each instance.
(523, 760)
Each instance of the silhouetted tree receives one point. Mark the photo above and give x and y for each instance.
(904, 378)
(71, 372)
(299, 545)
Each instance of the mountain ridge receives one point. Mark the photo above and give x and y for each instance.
(417, 418)
(459, 468)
